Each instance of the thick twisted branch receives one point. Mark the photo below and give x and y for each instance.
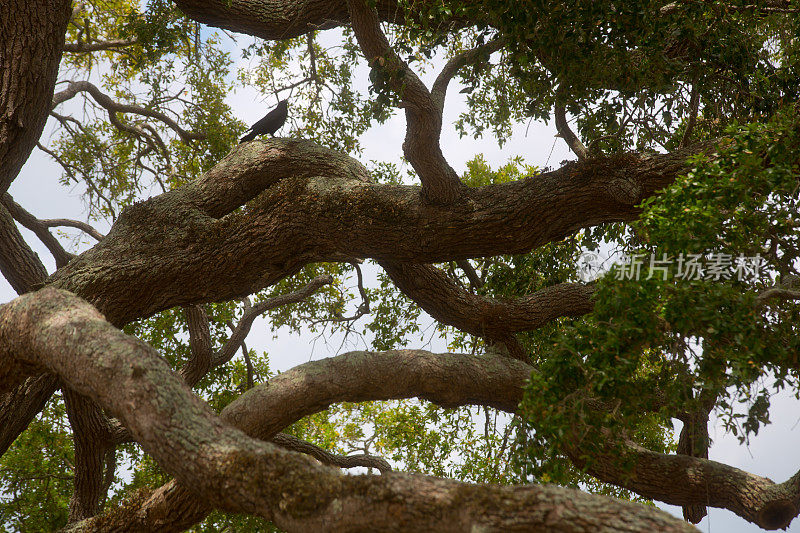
(56, 330)
(486, 317)
(440, 183)
(318, 205)
(453, 379)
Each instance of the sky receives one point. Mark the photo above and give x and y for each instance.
(773, 453)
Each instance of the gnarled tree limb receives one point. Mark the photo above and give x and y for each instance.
(440, 183)
(59, 331)
(300, 183)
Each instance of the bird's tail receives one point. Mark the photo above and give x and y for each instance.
(248, 137)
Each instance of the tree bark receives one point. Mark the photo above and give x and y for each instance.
(309, 204)
(57, 330)
(31, 41)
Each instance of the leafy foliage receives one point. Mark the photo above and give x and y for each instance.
(692, 340)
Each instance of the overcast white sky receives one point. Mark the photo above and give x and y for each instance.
(774, 453)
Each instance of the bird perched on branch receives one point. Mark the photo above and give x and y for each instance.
(270, 123)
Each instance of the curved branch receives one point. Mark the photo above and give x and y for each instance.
(77, 224)
(299, 219)
(455, 63)
(203, 359)
(440, 183)
(113, 107)
(294, 444)
(453, 379)
(482, 316)
(448, 380)
(57, 330)
(38, 228)
(567, 134)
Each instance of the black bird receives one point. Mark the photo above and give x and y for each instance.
(270, 123)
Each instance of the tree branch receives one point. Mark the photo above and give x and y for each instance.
(474, 280)
(19, 407)
(77, 224)
(91, 434)
(18, 263)
(200, 361)
(694, 103)
(440, 183)
(38, 228)
(30, 52)
(298, 219)
(294, 444)
(482, 316)
(59, 331)
(455, 63)
(567, 134)
(96, 46)
(454, 379)
(777, 293)
(277, 20)
(113, 107)
(251, 313)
